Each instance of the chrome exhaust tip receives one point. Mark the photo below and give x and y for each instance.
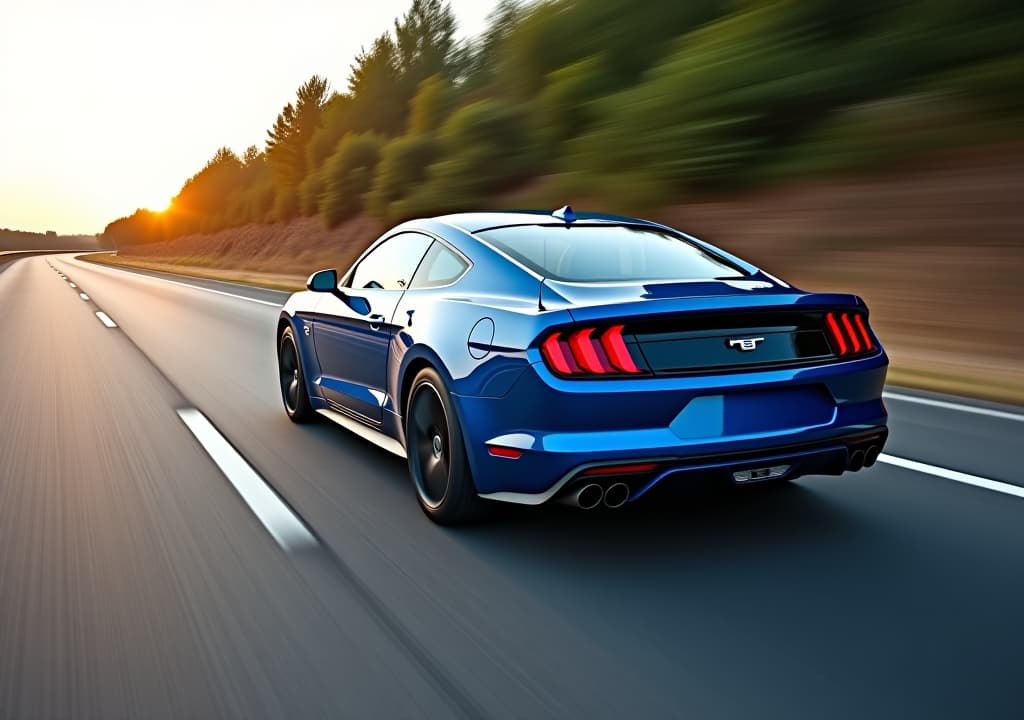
(587, 497)
(856, 460)
(616, 495)
(871, 455)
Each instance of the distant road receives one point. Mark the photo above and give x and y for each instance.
(136, 580)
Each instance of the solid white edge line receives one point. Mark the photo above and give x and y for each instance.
(105, 319)
(198, 287)
(287, 529)
(953, 406)
(1005, 488)
(211, 290)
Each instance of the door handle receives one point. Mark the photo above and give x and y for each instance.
(375, 320)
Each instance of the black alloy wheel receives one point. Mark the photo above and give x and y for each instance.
(437, 454)
(293, 382)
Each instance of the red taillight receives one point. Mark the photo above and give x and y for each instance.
(868, 345)
(617, 351)
(837, 334)
(849, 333)
(505, 452)
(554, 354)
(586, 351)
(620, 469)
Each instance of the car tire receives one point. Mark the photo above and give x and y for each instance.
(436, 451)
(293, 379)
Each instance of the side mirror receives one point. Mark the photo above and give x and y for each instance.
(323, 281)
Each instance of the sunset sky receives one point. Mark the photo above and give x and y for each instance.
(110, 105)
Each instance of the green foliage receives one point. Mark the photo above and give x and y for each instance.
(251, 155)
(871, 135)
(429, 106)
(728, 92)
(403, 166)
(377, 89)
(310, 190)
(627, 104)
(293, 129)
(252, 203)
(425, 40)
(335, 121)
(486, 148)
(991, 85)
(493, 124)
(205, 194)
(482, 60)
(286, 204)
(141, 227)
(536, 47)
(633, 35)
(558, 33)
(348, 174)
(565, 107)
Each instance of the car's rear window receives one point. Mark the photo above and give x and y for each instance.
(607, 253)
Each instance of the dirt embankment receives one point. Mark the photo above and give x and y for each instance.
(937, 250)
(282, 253)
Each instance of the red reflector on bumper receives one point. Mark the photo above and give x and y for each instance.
(505, 452)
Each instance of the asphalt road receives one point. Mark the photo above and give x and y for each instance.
(135, 581)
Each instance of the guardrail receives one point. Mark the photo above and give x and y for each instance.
(4, 253)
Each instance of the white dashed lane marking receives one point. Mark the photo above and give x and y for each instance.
(955, 475)
(279, 520)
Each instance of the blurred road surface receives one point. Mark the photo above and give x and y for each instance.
(136, 582)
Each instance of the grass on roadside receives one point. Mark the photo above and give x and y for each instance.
(985, 388)
(272, 281)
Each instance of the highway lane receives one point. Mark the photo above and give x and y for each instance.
(890, 593)
(132, 581)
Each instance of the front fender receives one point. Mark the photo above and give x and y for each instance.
(303, 332)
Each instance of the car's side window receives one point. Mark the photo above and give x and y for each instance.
(391, 264)
(441, 266)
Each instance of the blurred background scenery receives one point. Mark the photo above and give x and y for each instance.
(874, 147)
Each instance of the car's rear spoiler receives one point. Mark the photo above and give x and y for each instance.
(590, 301)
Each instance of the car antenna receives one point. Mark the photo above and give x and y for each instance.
(565, 214)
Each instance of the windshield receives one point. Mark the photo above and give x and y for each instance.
(607, 253)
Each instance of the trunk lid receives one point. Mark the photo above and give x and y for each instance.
(707, 326)
(595, 302)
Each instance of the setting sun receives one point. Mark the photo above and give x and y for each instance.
(148, 141)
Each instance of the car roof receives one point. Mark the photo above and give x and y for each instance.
(476, 221)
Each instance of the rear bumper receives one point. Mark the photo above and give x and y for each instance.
(811, 418)
(831, 457)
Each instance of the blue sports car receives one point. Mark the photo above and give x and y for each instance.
(528, 357)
